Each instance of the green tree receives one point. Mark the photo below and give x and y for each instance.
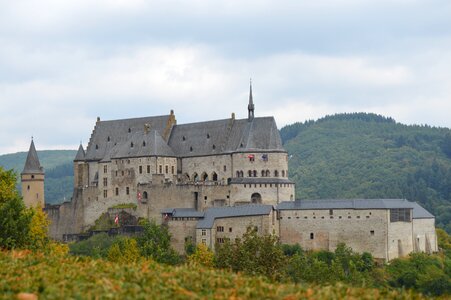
(155, 243)
(14, 217)
(39, 227)
(124, 250)
(202, 256)
(253, 255)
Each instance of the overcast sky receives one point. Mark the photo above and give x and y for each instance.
(63, 63)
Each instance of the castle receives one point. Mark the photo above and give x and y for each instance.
(210, 181)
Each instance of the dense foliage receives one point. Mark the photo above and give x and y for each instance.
(69, 277)
(369, 156)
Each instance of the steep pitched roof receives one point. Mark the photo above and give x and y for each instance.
(107, 134)
(32, 164)
(142, 144)
(80, 154)
(418, 211)
(225, 136)
(213, 213)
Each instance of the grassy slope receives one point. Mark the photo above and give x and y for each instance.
(85, 278)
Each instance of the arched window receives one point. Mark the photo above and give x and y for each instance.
(283, 173)
(195, 177)
(276, 173)
(256, 198)
(263, 173)
(241, 174)
(145, 195)
(237, 173)
(249, 173)
(214, 176)
(204, 176)
(268, 173)
(255, 173)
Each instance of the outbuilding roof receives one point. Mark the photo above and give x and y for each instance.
(418, 211)
(211, 214)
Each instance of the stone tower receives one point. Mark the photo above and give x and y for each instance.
(32, 178)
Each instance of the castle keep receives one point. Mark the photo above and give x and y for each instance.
(210, 181)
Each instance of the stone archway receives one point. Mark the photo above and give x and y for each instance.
(256, 198)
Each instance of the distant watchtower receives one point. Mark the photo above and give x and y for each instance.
(32, 178)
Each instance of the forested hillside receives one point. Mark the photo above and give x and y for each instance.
(369, 156)
(58, 171)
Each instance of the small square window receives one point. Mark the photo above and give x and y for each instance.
(372, 232)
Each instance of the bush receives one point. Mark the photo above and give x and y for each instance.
(124, 250)
(155, 243)
(96, 246)
(202, 256)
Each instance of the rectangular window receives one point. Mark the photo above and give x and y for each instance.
(220, 240)
(372, 232)
(230, 229)
(400, 215)
(331, 212)
(105, 193)
(127, 190)
(312, 236)
(225, 168)
(140, 169)
(148, 169)
(117, 191)
(220, 229)
(160, 169)
(172, 170)
(105, 181)
(105, 169)
(204, 232)
(166, 169)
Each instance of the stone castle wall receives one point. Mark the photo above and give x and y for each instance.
(362, 230)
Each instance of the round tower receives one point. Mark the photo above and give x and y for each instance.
(32, 178)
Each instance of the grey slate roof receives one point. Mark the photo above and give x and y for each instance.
(225, 136)
(418, 211)
(258, 180)
(421, 213)
(183, 212)
(144, 144)
(32, 164)
(80, 154)
(107, 134)
(231, 211)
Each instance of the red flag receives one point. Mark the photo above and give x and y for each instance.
(139, 196)
(116, 220)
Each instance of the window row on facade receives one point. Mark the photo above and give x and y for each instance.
(263, 173)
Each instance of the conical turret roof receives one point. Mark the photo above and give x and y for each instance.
(80, 154)
(32, 164)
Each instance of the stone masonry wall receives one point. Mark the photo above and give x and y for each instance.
(362, 230)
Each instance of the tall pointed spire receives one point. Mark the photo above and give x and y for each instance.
(32, 164)
(250, 106)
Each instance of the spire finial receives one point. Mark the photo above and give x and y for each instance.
(250, 106)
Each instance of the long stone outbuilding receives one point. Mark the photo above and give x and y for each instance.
(210, 181)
